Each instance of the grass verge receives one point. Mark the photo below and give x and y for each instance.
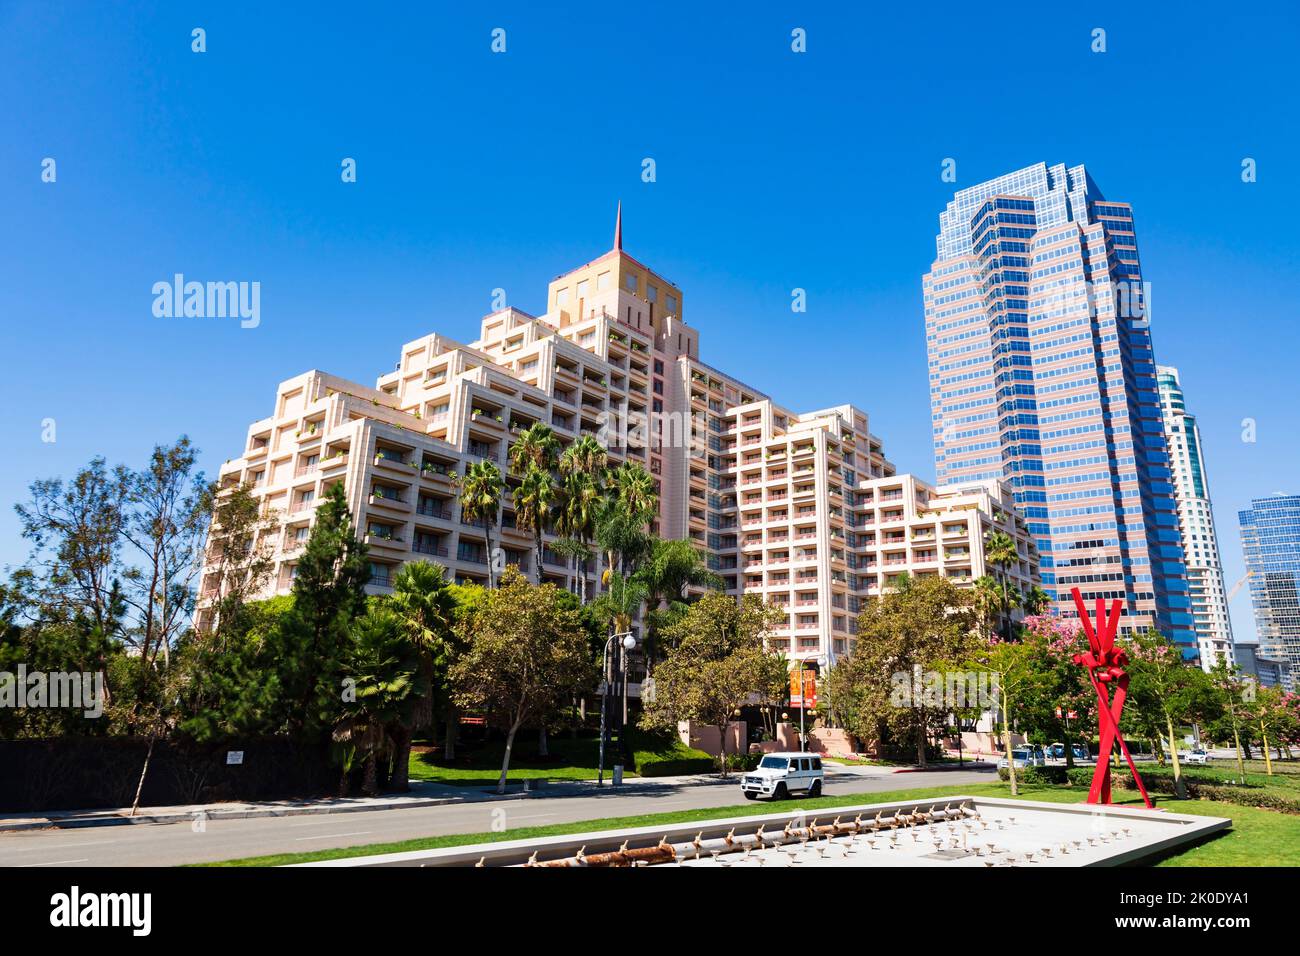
(1257, 838)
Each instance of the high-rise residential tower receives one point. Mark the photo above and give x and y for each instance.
(1042, 373)
(802, 509)
(1196, 521)
(1270, 539)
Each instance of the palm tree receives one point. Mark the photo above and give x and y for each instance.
(631, 504)
(423, 601)
(576, 511)
(382, 666)
(533, 457)
(671, 567)
(534, 499)
(536, 446)
(586, 455)
(1035, 600)
(634, 488)
(480, 500)
(1000, 551)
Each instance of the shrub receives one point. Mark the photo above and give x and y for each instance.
(1200, 788)
(1052, 775)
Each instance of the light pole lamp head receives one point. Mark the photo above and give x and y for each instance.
(629, 641)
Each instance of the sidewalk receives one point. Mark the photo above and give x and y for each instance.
(422, 794)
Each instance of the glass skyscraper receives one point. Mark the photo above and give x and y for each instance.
(1042, 373)
(1270, 539)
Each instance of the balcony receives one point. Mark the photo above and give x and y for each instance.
(434, 511)
(436, 550)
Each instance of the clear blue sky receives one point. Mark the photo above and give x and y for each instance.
(477, 170)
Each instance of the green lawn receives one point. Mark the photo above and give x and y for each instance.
(1257, 838)
(569, 759)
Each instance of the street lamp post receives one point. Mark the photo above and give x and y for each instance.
(628, 642)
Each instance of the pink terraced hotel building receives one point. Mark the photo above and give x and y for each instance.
(803, 509)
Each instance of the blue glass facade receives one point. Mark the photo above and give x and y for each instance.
(1270, 539)
(1042, 374)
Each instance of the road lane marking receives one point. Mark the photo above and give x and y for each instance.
(56, 846)
(54, 863)
(330, 836)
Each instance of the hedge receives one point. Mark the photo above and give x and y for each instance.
(656, 755)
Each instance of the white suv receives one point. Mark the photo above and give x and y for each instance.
(779, 775)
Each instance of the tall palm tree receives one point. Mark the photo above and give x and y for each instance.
(631, 504)
(534, 455)
(1000, 551)
(587, 455)
(480, 500)
(382, 665)
(423, 601)
(537, 446)
(634, 488)
(576, 511)
(534, 498)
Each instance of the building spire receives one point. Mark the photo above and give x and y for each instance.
(618, 228)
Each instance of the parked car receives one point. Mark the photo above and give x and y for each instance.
(1025, 757)
(1195, 756)
(1057, 751)
(779, 775)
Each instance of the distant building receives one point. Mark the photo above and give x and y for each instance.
(1266, 672)
(1270, 541)
(1196, 520)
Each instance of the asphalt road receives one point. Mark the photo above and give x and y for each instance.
(172, 844)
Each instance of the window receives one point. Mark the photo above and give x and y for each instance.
(562, 297)
(659, 367)
(583, 287)
(602, 282)
(630, 282)
(670, 303)
(652, 293)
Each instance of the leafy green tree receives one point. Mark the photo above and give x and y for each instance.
(718, 659)
(526, 656)
(1012, 664)
(240, 555)
(1232, 692)
(480, 501)
(165, 512)
(74, 569)
(328, 596)
(1164, 690)
(920, 624)
(1058, 686)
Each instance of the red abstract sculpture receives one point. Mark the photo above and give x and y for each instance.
(1105, 665)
